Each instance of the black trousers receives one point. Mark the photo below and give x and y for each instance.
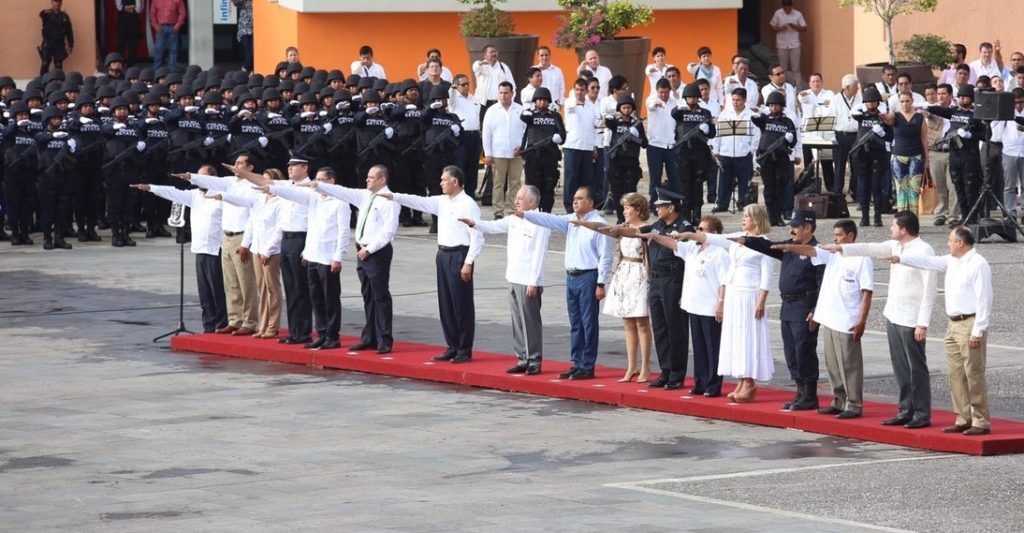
(433, 167)
(375, 284)
(325, 293)
(18, 195)
(455, 302)
(212, 300)
(776, 172)
(155, 210)
(869, 169)
(798, 342)
(128, 35)
(296, 288)
(53, 51)
(668, 323)
(707, 338)
(54, 201)
(540, 169)
(841, 156)
(120, 199)
(468, 159)
(693, 172)
(965, 170)
(623, 176)
(87, 194)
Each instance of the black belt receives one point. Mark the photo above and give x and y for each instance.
(452, 248)
(799, 296)
(666, 272)
(293, 234)
(846, 133)
(233, 233)
(574, 272)
(961, 318)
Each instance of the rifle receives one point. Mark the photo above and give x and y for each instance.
(863, 141)
(64, 153)
(21, 157)
(440, 141)
(627, 137)
(309, 142)
(187, 147)
(537, 146)
(371, 146)
(951, 137)
(344, 139)
(251, 145)
(130, 150)
(690, 134)
(417, 143)
(151, 150)
(770, 151)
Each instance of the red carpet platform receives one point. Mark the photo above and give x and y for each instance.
(487, 370)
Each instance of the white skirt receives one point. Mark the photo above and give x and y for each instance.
(745, 350)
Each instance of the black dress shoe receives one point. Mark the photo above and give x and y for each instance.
(956, 429)
(320, 341)
(284, 340)
(896, 421)
(518, 369)
(61, 244)
(917, 424)
(383, 350)
(304, 340)
(582, 374)
(329, 345)
(696, 392)
(829, 410)
(47, 244)
(444, 357)
(360, 346)
(660, 382)
(462, 359)
(567, 374)
(533, 369)
(672, 385)
(712, 394)
(846, 415)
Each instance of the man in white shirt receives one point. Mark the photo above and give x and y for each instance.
(908, 310)
(938, 159)
(527, 246)
(326, 245)
(991, 61)
(365, 67)
(815, 102)
(205, 216)
(592, 62)
(490, 74)
(468, 109)
(553, 78)
(888, 86)
(588, 266)
(777, 83)
(788, 24)
(458, 247)
(734, 153)
(534, 81)
(433, 55)
(661, 136)
(656, 71)
(1013, 152)
(239, 272)
(969, 307)
(904, 85)
(740, 79)
(375, 229)
(846, 128)
(502, 136)
(842, 312)
(580, 148)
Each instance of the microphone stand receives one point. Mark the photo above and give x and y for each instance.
(181, 284)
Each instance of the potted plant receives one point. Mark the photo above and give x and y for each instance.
(485, 24)
(597, 25)
(928, 49)
(887, 10)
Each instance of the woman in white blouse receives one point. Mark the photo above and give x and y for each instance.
(745, 352)
(704, 69)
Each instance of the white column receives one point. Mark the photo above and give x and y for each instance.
(200, 33)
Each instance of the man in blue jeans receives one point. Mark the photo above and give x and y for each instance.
(167, 17)
(588, 266)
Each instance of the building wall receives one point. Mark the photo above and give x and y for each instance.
(400, 40)
(975, 22)
(828, 44)
(21, 28)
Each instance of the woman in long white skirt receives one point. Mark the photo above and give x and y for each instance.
(745, 352)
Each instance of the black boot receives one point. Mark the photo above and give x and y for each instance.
(115, 236)
(92, 236)
(82, 235)
(796, 398)
(126, 237)
(865, 216)
(60, 243)
(878, 218)
(809, 399)
(47, 241)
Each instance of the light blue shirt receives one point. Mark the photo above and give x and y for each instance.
(585, 249)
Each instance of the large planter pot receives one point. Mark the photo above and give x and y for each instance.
(516, 51)
(921, 74)
(626, 56)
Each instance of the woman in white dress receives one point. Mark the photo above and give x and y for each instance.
(627, 291)
(745, 352)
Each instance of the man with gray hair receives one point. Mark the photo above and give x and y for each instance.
(740, 79)
(527, 245)
(846, 128)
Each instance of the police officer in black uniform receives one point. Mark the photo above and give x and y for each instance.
(155, 167)
(799, 285)
(308, 133)
(373, 134)
(341, 140)
(869, 156)
(87, 190)
(694, 128)
(545, 132)
(773, 154)
(966, 132)
(247, 133)
(55, 148)
(408, 117)
(185, 126)
(276, 119)
(56, 30)
(441, 137)
(20, 168)
(628, 137)
(124, 148)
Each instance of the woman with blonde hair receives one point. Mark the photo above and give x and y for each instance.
(745, 352)
(627, 291)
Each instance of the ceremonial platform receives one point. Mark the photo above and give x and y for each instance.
(487, 370)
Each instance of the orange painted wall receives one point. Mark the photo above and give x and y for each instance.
(400, 41)
(21, 28)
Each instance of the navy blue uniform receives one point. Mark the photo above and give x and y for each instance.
(964, 155)
(668, 320)
(776, 167)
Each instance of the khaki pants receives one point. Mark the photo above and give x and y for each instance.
(508, 176)
(845, 363)
(967, 375)
(268, 279)
(789, 60)
(239, 285)
(938, 167)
